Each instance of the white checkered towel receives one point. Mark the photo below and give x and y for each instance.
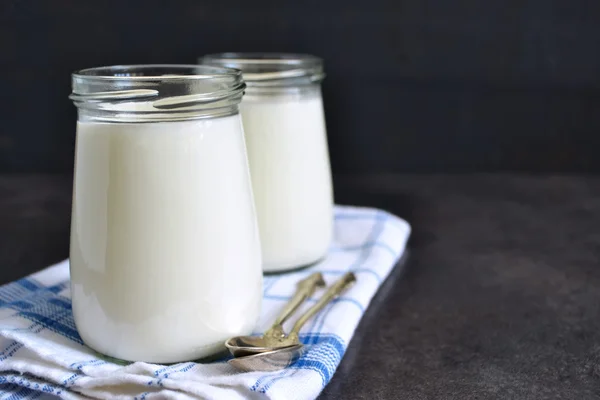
(41, 353)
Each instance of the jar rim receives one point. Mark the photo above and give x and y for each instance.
(155, 72)
(270, 69)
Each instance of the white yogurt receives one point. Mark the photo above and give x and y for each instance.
(291, 179)
(165, 255)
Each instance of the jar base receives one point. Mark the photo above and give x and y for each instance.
(207, 354)
(285, 270)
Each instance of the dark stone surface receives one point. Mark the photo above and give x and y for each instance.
(500, 298)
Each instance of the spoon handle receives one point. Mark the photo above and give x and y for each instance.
(334, 291)
(306, 288)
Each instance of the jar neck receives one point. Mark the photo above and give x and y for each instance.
(154, 93)
(272, 72)
(291, 92)
(145, 112)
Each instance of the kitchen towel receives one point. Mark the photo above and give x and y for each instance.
(42, 355)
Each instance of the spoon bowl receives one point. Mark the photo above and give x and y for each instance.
(245, 345)
(273, 360)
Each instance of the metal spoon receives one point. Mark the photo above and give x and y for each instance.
(245, 345)
(289, 348)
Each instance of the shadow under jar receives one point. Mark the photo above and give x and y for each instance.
(285, 131)
(165, 254)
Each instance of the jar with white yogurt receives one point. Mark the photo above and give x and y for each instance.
(165, 252)
(285, 130)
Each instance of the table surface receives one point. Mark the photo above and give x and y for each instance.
(498, 298)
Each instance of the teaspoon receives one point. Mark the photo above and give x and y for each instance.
(288, 348)
(244, 345)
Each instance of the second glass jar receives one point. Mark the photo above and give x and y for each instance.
(284, 124)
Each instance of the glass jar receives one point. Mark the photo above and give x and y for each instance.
(165, 253)
(285, 130)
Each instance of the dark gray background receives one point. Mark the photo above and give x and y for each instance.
(413, 85)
